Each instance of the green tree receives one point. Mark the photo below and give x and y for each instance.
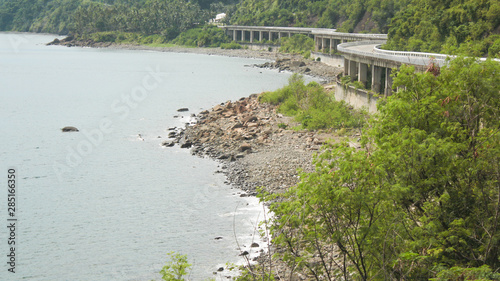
(176, 267)
(422, 195)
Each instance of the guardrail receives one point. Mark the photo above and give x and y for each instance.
(314, 31)
(401, 58)
(409, 54)
(322, 31)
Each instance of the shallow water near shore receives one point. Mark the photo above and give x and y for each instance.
(108, 202)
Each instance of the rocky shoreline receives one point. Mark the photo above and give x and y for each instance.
(252, 144)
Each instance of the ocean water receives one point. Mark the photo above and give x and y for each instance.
(102, 203)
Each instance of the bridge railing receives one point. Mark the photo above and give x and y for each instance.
(368, 36)
(410, 54)
(390, 56)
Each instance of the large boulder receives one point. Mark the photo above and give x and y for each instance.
(69, 129)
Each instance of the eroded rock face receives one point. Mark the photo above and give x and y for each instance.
(69, 129)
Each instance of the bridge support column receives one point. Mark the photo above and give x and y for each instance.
(260, 36)
(323, 44)
(332, 42)
(251, 36)
(353, 69)
(270, 36)
(388, 82)
(243, 37)
(376, 78)
(234, 35)
(316, 43)
(346, 66)
(362, 73)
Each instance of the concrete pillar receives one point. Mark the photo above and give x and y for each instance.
(270, 36)
(388, 82)
(260, 36)
(331, 44)
(362, 72)
(234, 35)
(316, 43)
(335, 43)
(376, 78)
(323, 44)
(251, 36)
(289, 34)
(279, 34)
(353, 69)
(346, 66)
(243, 35)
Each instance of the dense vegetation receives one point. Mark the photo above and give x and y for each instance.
(312, 106)
(420, 200)
(83, 16)
(468, 27)
(297, 44)
(345, 15)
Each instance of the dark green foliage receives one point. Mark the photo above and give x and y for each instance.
(451, 26)
(420, 200)
(312, 106)
(232, 45)
(207, 36)
(297, 44)
(167, 18)
(347, 16)
(38, 16)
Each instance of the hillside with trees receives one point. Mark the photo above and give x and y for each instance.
(344, 15)
(468, 27)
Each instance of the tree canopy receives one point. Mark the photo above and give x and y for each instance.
(469, 27)
(420, 199)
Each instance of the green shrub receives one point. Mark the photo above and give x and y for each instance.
(176, 267)
(207, 36)
(232, 45)
(297, 44)
(312, 106)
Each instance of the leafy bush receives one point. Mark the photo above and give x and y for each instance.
(312, 106)
(207, 36)
(297, 44)
(419, 200)
(176, 267)
(232, 45)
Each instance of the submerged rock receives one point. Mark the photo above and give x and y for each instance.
(69, 129)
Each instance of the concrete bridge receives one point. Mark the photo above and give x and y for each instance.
(367, 63)
(325, 39)
(364, 60)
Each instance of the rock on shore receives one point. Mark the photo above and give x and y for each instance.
(254, 151)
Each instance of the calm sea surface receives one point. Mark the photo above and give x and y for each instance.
(102, 204)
